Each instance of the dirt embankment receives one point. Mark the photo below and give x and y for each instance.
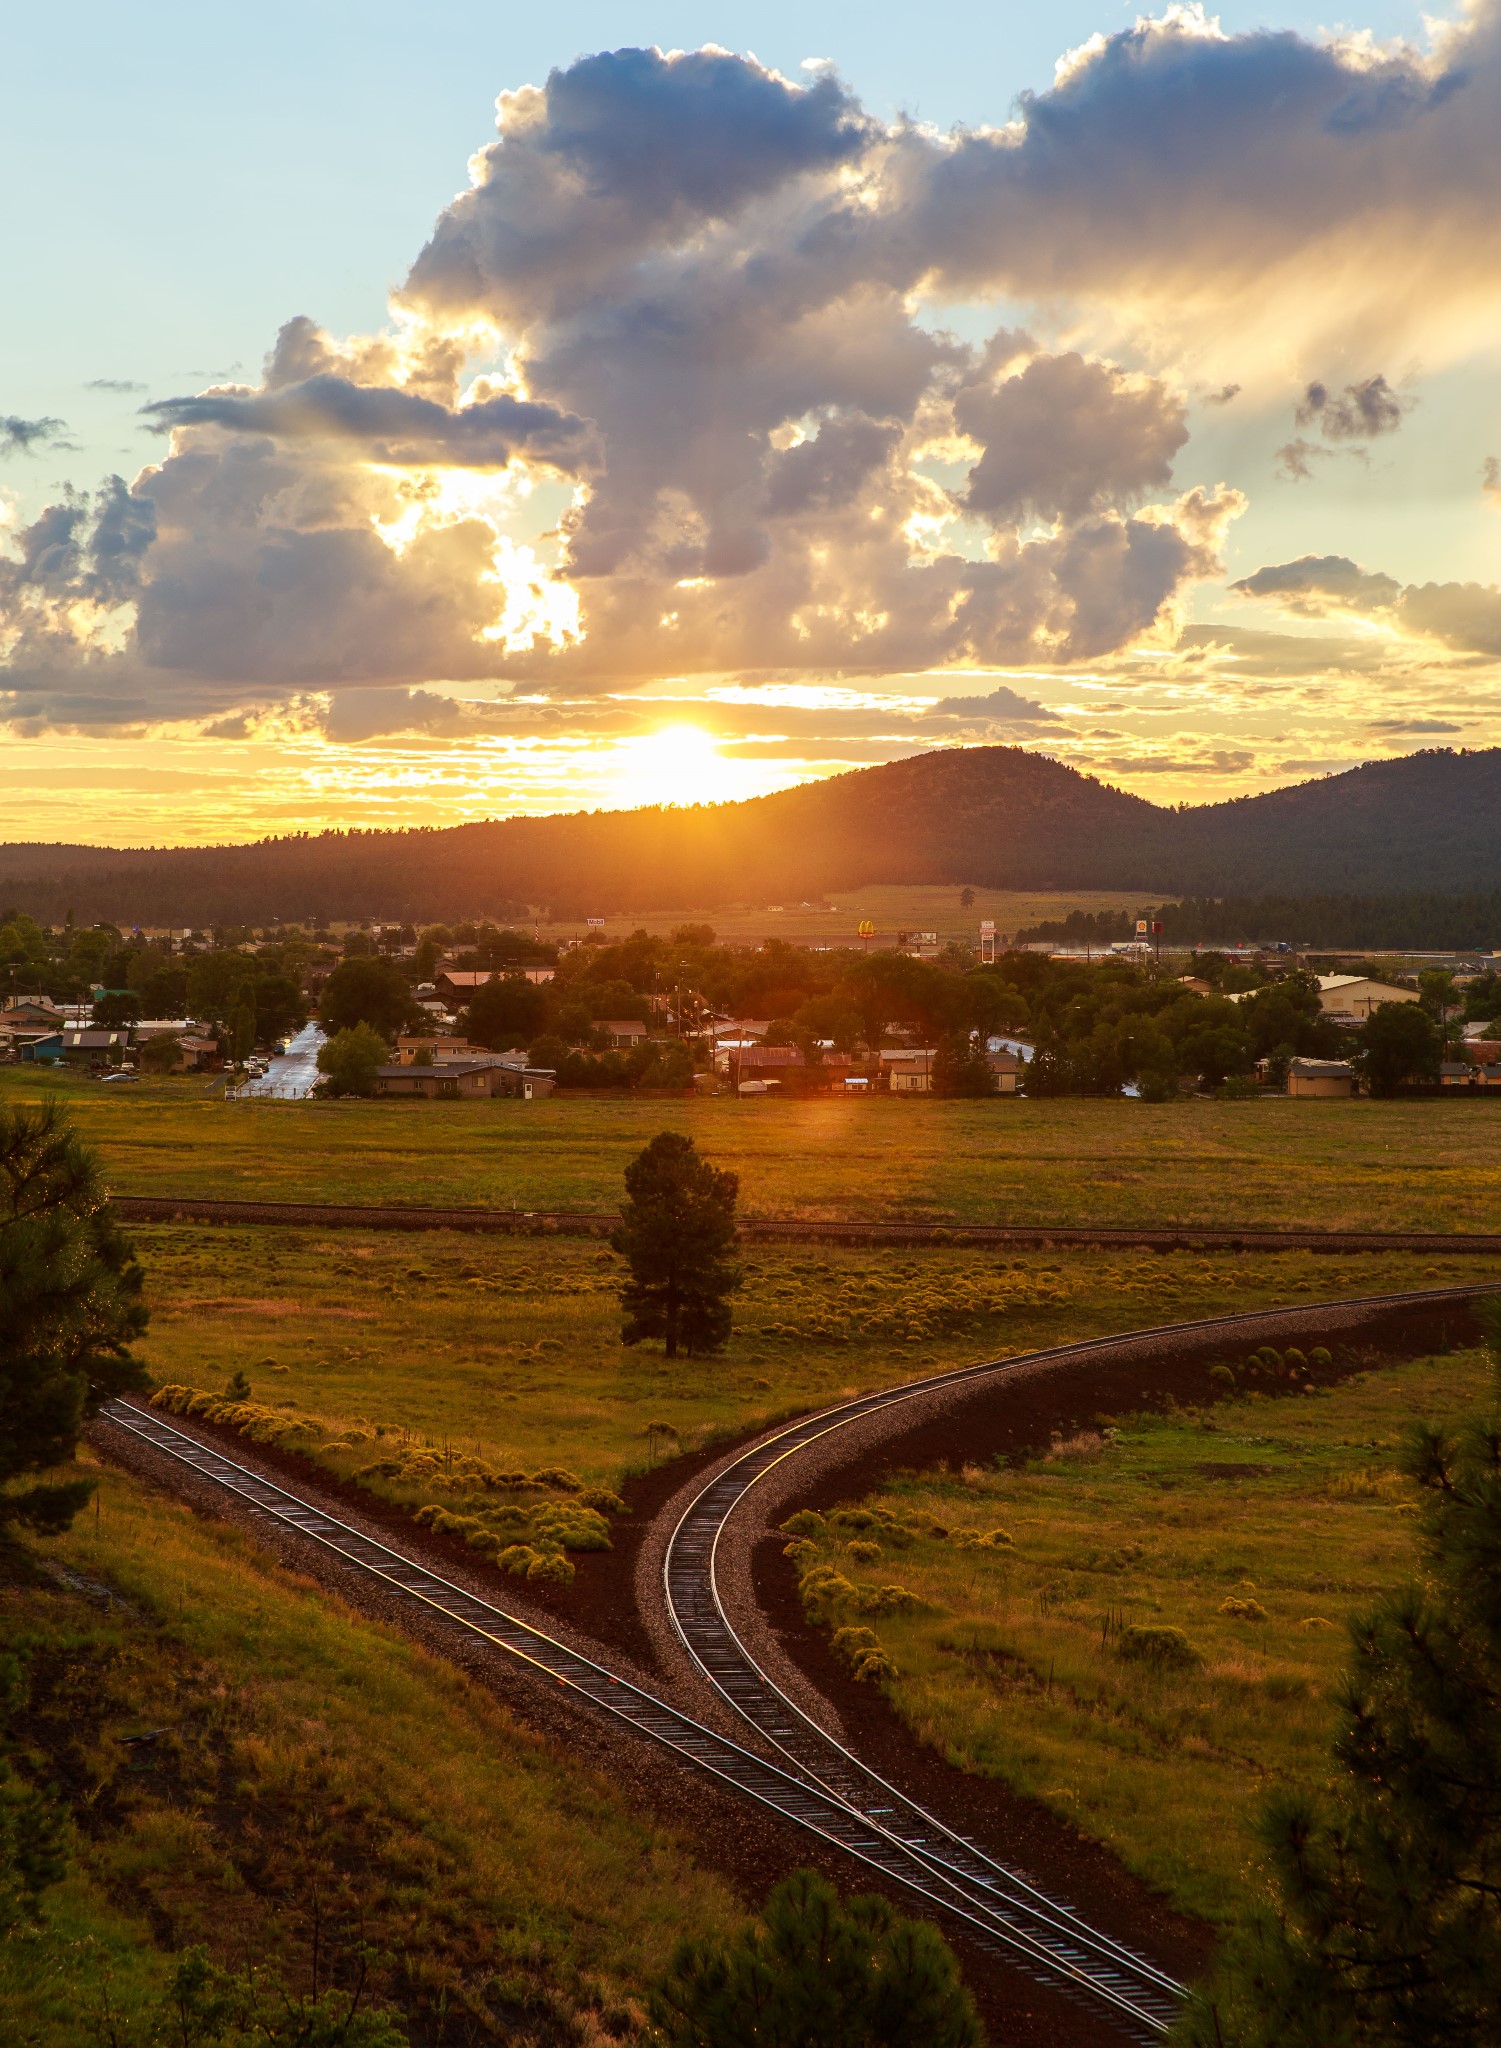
(1159, 1237)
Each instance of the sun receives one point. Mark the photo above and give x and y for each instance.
(677, 764)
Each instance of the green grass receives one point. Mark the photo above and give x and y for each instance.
(890, 907)
(311, 1765)
(1321, 1165)
(1011, 1666)
(508, 1349)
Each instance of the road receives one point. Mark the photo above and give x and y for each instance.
(293, 1074)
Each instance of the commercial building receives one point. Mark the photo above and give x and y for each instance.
(1350, 998)
(1333, 1079)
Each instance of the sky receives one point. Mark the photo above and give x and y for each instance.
(409, 416)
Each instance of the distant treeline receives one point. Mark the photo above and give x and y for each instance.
(1420, 921)
(995, 817)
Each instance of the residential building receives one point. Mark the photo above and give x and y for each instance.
(1006, 1068)
(1350, 998)
(909, 1072)
(487, 1076)
(441, 1047)
(1329, 1078)
(95, 1048)
(624, 1033)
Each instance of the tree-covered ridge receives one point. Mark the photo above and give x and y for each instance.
(995, 816)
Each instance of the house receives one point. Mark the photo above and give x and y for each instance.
(46, 1048)
(34, 1012)
(94, 1048)
(1456, 1074)
(1350, 998)
(1329, 1078)
(442, 1048)
(741, 1028)
(461, 1079)
(624, 1033)
(197, 1049)
(764, 1062)
(1006, 1069)
(909, 1072)
(458, 984)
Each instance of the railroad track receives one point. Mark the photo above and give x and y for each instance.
(991, 1892)
(1039, 1933)
(818, 1785)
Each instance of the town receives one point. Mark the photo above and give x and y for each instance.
(481, 1010)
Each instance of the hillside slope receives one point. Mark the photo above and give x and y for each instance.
(997, 816)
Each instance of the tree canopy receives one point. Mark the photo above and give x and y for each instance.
(366, 991)
(351, 1059)
(677, 1230)
(70, 1308)
(818, 1973)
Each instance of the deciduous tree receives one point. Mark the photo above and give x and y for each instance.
(366, 991)
(351, 1059)
(1397, 1041)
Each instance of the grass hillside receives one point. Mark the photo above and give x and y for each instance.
(1315, 1165)
(248, 1766)
(1254, 1529)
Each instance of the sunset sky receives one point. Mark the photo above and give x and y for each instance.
(418, 414)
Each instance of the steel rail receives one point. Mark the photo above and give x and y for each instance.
(816, 1809)
(697, 1612)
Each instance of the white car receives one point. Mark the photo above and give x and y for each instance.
(120, 1074)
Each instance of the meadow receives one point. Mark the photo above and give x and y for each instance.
(508, 1349)
(1429, 1165)
(250, 1766)
(1027, 1633)
(890, 906)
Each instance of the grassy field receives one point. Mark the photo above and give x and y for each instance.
(1014, 1661)
(890, 907)
(508, 1349)
(314, 1779)
(1322, 1165)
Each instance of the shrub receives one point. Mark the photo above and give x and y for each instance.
(1167, 1648)
(1319, 1358)
(1223, 1377)
(558, 1479)
(1315, 1621)
(1239, 1609)
(603, 1501)
(862, 1551)
(800, 1550)
(517, 1560)
(872, 1667)
(858, 1519)
(555, 1570)
(806, 1522)
(889, 1600)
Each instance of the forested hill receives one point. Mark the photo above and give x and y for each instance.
(994, 816)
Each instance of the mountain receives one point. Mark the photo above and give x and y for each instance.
(994, 816)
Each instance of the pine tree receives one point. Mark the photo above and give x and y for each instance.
(677, 1229)
(817, 1974)
(960, 1067)
(70, 1306)
(1385, 1926)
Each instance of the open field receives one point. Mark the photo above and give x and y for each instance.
(1015, 1663)
(314, 1779)
(1320, 1165)
(889, 906)
(507, 1349)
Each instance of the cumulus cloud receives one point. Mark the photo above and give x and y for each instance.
(23, 437)
(660, 396)
(1326, 189)
(1465, 617)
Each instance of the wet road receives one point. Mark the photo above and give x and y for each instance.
(292, 1075)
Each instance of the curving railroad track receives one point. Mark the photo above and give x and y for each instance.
(815, 1782)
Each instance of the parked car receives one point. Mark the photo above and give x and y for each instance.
(120, 1074)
